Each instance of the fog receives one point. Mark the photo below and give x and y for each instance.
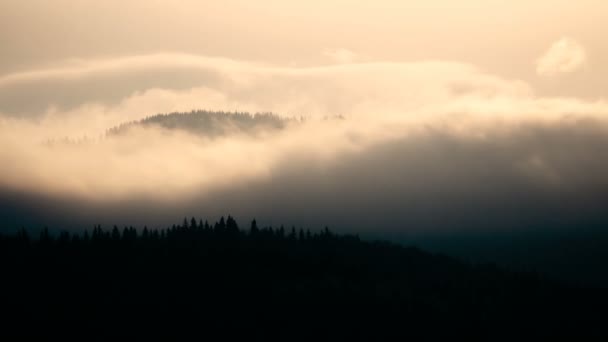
(429, 146)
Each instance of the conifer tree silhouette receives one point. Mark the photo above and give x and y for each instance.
(145, 234)
(45, 237)
(115, 234)
(254, 230)
(292, 235)
(201, 276)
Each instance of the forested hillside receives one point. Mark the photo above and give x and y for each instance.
(208, 123)
(203, 279)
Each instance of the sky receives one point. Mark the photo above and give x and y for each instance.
(460, 116)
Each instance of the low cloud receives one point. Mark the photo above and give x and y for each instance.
(445, 175)
(564, 56)
(431, 145)
(353, 89)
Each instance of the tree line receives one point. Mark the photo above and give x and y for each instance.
(189, 229)
(209, 123)
(199, 279)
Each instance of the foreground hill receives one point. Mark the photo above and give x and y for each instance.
(197, 280)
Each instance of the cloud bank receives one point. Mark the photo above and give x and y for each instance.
(429, 145)
(354, 89)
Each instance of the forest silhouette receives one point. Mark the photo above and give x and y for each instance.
(197, 279)
(207, 123)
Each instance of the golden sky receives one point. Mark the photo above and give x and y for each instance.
(503, 37)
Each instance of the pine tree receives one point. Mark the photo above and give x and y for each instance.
(44, 236)
(254, 228)
(115, 234)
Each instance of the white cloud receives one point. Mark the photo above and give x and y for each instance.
(564, 56)
(356, 89)
(382, 101)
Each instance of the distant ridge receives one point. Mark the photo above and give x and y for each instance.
(208, 123)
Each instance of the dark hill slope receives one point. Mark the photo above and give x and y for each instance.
(198, 280)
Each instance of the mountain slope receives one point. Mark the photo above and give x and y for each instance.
(208, 123)
(198, 280)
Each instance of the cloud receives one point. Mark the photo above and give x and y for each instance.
(425, 145)
(356, 89)
(455, 174)
(564, 56)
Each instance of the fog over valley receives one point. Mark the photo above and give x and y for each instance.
(402, 131)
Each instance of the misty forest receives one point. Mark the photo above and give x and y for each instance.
(423, 170)
(198, 278)
(208, 123)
